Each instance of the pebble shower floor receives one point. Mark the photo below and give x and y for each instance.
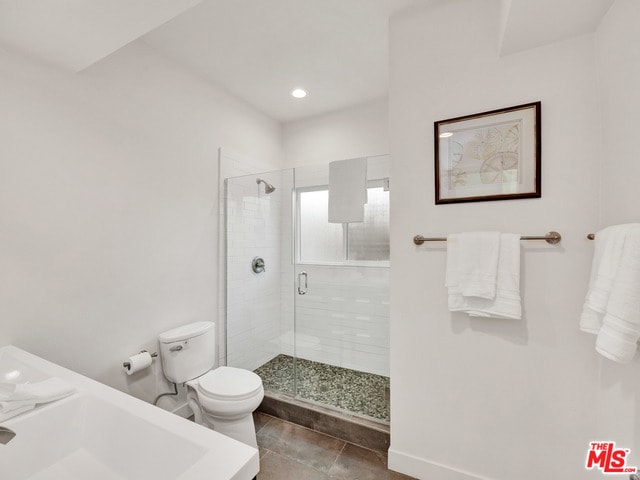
(356, 392)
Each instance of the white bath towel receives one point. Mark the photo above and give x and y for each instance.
(506, 303)
(617, 339)
(472, 264)
(15, 413)
(609, 244)
(347, 190)
(18, 396)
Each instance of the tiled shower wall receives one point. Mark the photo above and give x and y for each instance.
(253, 300)
(231, 165)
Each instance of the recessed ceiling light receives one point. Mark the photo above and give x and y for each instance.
(299, 93)
(446, 134)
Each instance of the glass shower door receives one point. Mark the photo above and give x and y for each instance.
(260, 277)
(342, 295)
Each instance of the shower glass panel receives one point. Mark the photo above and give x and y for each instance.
(342, 321)
(260, 308)
(315, 324)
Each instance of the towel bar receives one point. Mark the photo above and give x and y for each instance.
(551, 238)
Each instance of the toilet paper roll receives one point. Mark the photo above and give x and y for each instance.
(138, 362)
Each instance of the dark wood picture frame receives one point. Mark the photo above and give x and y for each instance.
(487, 156)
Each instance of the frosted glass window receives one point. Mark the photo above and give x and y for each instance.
(320, 241)
(369, 240)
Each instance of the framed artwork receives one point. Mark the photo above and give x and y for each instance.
(489, 156)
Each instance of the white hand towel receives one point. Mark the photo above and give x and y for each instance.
(347, 190)
(472, 264)
(507, 302)
(10, 406)
(609, 244)
(617, 339)
(47, 390)
(16, 412)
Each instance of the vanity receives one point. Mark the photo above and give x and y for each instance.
(101, 433)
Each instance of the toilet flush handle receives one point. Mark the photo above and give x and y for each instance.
(175, 348)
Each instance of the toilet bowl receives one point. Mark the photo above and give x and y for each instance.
(223, 398)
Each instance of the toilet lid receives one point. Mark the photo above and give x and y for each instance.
(229, 383)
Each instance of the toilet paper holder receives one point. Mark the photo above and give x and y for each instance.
(127, 365)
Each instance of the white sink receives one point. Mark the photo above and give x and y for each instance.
(100, 433)
(14, 370)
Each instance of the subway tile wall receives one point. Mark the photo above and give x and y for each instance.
(232, 165)
(253, 299)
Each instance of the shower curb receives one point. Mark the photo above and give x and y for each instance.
(345, 426)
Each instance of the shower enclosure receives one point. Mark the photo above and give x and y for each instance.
(307, 301)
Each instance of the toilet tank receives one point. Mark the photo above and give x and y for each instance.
(188, 351)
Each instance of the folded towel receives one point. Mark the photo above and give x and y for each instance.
(609, 244)
(48, 390)
(472, 264)
(9, 406)
(617, 339)
(506, 303)
(15, 413)
(347, 190)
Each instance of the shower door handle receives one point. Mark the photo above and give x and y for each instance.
(301, 290)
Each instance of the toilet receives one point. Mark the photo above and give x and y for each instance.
(223, 398)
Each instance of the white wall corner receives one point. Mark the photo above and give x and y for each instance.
(525, 24)
(422, 468)
(75, 35)
(505, 8)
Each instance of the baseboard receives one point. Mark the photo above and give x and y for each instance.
(422, 468)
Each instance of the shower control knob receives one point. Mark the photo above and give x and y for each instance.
(257, 264)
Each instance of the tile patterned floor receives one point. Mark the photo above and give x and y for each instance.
(357, 392)
(289, 451)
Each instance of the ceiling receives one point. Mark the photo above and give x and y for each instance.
(74, 34)
(259, 50)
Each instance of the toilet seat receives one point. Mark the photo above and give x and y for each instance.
(229, 383)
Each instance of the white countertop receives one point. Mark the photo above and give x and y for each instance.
(102, 433)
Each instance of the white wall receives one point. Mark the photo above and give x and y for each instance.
(618, 49)
(109, 208)
(496, 399)
(618, 72)
(360, 131)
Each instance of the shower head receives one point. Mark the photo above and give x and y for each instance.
(268, 188)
